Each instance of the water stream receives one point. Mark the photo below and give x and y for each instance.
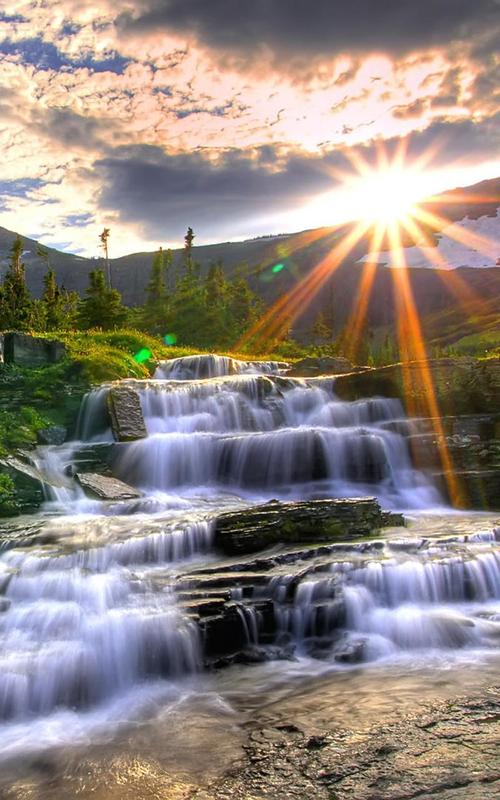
(95, 632)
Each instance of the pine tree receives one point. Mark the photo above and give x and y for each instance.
(321, 331)
(16, 305)
(102, 307)
(217, 320)
(188, 251)
(58, 305)
(51, 299)
(154, 313)
(244, 307)
(103, 237)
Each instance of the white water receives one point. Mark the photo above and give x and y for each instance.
(213, 366)
(397, 603)
(91, 632)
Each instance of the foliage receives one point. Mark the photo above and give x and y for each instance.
(58, 305)
(18, 427)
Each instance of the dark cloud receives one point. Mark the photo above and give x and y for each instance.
(68, 128)
(296, 29)
(164, 193)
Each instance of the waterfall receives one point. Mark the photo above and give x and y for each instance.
(395, 604)
(267, 434)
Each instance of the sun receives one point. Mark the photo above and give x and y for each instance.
(387, 195)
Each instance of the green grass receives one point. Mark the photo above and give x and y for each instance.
(109, 355)
(485, 344)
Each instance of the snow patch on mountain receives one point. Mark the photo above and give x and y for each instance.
(450, 253)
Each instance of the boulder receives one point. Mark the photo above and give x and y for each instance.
(103, 487)
(55, 435)
(31, 351)
(125, 411)
(253, 529)
(322, 365)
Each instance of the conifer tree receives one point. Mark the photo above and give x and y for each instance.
(102, 307)
(16, 305)
(188, 250)
(103, 237)
(321, 331)
(154, 314)
(244, 306)
(58, 305)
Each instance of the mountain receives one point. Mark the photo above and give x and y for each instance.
(435, 290)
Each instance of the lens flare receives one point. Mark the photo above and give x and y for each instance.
(143, 355)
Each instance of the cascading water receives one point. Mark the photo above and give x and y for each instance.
(92, 614)
(270, 435)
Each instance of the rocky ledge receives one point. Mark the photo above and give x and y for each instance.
(256, 528)
(450, 751)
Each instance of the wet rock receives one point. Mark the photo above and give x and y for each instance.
(55, 435)
(479, 488)
(28, 484)
(323, 365)
(95, 457)
(127, 420)
(254, 529)
(350, 651)
(106, 488)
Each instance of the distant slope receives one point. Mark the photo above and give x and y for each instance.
(435, 291)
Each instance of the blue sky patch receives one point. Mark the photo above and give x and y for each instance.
(45, 56)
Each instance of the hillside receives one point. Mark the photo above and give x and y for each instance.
(435, 291)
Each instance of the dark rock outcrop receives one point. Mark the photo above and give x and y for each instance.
(55, 435)
(127, 420)
(106, 488)
(462, 385)
(254, 529)
(27, 481)
(31, 351)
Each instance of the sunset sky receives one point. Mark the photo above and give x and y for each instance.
(233, 117)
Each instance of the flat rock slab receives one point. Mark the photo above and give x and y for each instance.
(105, 488)
(322, 365)
(253, 529)
(450, 752)
(125, 411)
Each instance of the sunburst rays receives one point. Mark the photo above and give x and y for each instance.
(398, 216)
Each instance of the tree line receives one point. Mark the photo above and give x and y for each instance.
(184, 307)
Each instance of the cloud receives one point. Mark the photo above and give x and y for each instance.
(303, 29)
(164, 193)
